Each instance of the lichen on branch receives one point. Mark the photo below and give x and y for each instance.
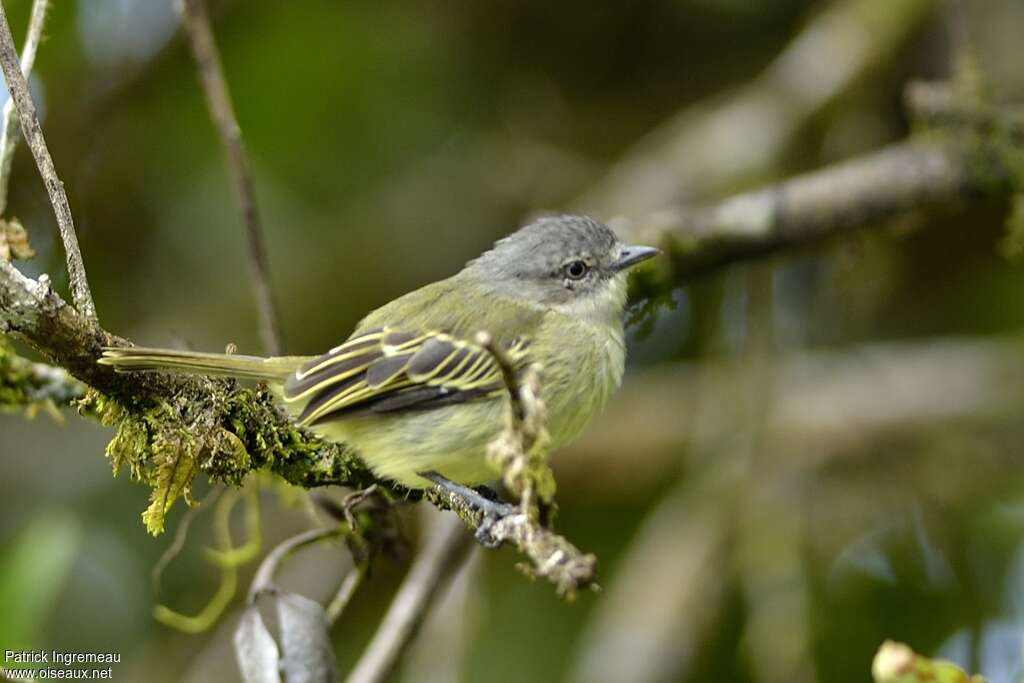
(33, 387)
(217, 428)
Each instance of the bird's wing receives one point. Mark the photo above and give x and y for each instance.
(387, 370)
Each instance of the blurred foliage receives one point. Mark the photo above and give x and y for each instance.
(34, 568)
(392, 141)
(897, 663)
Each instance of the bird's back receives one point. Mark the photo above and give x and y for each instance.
(451, 307)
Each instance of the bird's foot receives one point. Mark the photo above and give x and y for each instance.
(352, 500)
(491, 509)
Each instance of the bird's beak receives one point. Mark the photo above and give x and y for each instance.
(633, 255)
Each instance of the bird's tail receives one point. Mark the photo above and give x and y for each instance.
(141, 359)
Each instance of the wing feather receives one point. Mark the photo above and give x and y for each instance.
(384, 370)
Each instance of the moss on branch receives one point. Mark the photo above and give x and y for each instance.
(169, 428)
(217, 428)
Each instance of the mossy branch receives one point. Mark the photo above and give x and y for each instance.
(219, 428)
(169, 428)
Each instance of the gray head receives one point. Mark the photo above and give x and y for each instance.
(570, 263)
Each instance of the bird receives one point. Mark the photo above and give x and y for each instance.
(414, 390)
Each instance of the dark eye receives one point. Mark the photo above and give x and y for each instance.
(575, 270)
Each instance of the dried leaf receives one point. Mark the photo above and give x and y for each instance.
(305, 640)
(255, 649)
(14, 241)
(301, 653)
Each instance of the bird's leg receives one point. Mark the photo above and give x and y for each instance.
(491, 510)
(346, 509)
(349, 503)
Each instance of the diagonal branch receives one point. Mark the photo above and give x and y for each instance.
(437, 563)
(808, 208)
(9, 139)
(862, 192)
(196, 21)
(18, 87)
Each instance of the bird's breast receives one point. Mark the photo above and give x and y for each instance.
(582, 366)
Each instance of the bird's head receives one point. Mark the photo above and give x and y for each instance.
(572, 264)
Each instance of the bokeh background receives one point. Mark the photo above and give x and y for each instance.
(811, 453)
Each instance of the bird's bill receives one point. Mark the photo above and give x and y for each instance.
(633, 255)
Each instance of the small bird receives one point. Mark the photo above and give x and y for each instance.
(413, 390)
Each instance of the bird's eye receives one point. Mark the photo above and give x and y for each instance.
(575, 270)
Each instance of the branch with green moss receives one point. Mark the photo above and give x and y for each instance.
(169, 428)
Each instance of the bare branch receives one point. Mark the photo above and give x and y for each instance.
(9, 139)
(447, 550)
(264, 579)
(18, 87)
(848, 196)
(196, 21)
(349, 585)
(667, 595)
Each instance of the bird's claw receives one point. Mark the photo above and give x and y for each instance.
(491, 511)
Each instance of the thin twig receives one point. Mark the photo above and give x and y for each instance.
(180, 536)
(196, 21)
(9, 138)
(521, 450)
(509, 375)
(264, 579)
(667, 595)
(18, 87)
(349, 585)
(448, 548)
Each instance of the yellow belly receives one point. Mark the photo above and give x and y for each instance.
(453, 440)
